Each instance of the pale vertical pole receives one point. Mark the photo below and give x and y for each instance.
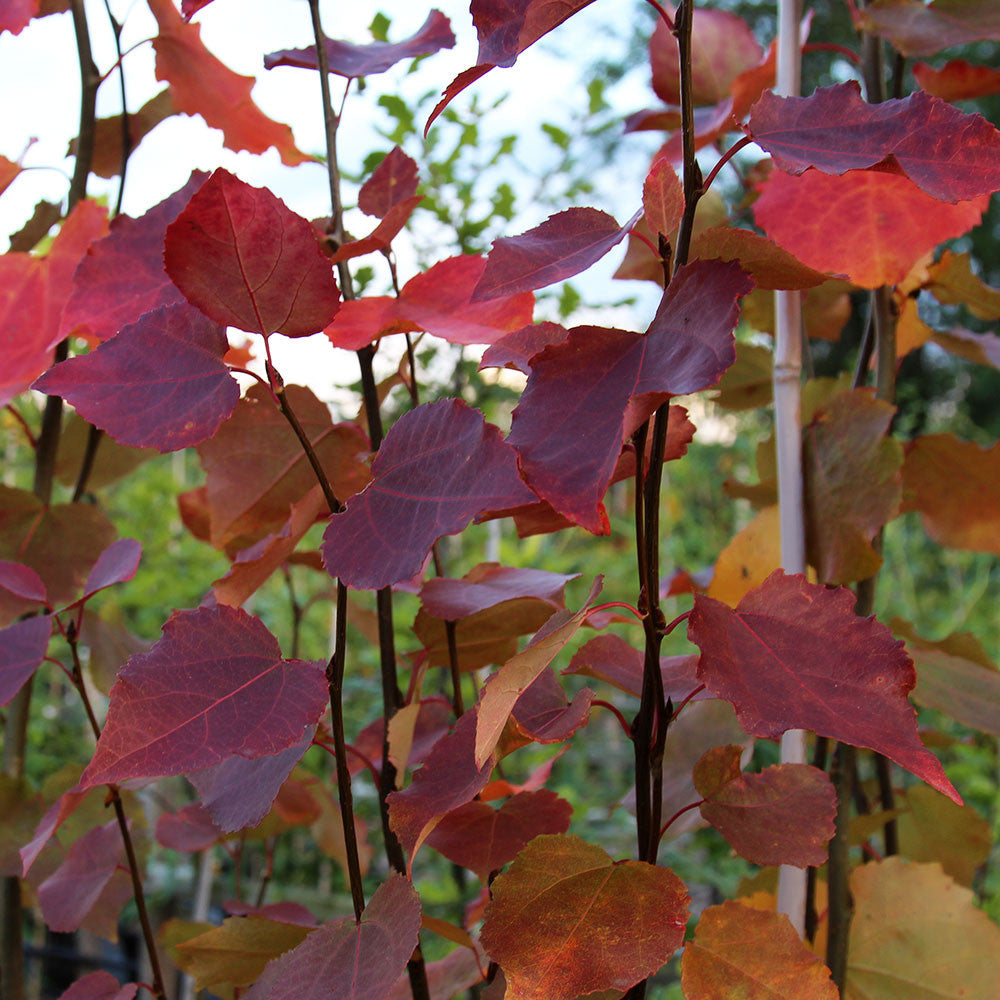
(788, 442)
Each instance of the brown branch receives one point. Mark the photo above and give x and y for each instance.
(392, 698)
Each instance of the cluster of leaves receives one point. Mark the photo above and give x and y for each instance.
(145, 305)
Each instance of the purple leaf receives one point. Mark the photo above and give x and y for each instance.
(344, 960)
(439, 466)
(23, 581)
(454, 599)
(69, 893)
(563, 245)
(238, 792)
(159, 383)
(394, 180)
(569, 425)
(505, 30)
(22, 649)
(122, 275)
(351, 61)
(518, 348)
(116, 564)
(99, 986)
(212, 687)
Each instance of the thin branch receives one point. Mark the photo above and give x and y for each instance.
(321, 477)
(677, 815)
(126, 131)
(616, 712)
(94, 435)
(724, 159)
(692, 172)
(847, 53)
(28, 433)
(664, 16)
(391, 695)
(335, 681)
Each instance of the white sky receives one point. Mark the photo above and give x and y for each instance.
(39, 86)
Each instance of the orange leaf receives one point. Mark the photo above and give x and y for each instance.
(866, 225)
(201, 85)
(752, 954)
(956, 487)
(567, 920)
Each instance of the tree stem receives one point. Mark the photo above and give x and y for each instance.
(392, 698)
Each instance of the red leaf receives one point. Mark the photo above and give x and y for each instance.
(448, 779)
(742, 952)
(793, 655)
(191, 7)
(488, 585)
(563, 245)
(69, 893)
(159, 383)
(201, 85)
(122, 275)
(662, 195)
(22, 647)
(25, 347)
(440, 301)
(394, 180)
(99, 986)
(722, 47)
(244, 258)
(919, 29)
(443, 301)
(893, 222)
(189, 829)
(16, 14)
(382, 235)
(957, 80)
(917, 135)
(8, 171)
(483, 839)
(611, 659)
(439, 466)
(516, 349)
(256, 469)
(782, 816)
(505, 30)
(238, 792)
(566, 920)
(955, 485)
(569, 459)
(212, 687)
(351, 61)
(33, 292)
(344, 960)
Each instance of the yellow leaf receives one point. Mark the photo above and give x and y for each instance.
(917, 935)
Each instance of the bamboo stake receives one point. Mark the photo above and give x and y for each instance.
(788, 441)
